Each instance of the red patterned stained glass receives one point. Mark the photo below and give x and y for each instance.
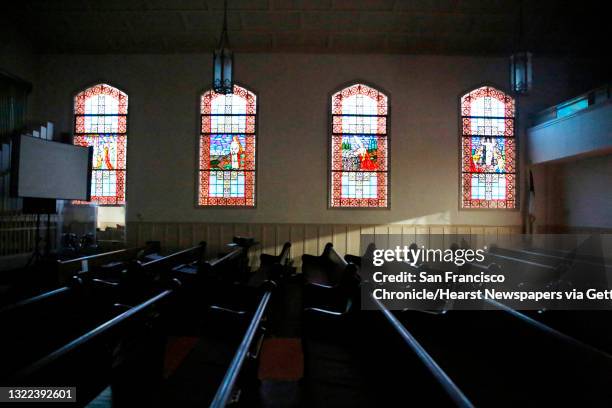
(359, 148)
(227, 149)
(488, 154)
(100, 120)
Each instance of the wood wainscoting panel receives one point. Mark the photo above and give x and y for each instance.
(306, 238)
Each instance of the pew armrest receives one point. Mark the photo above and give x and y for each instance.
(323, 311)
(122, 307)
(354, 259)
(104, 283)
(325, 298)
(329, 312)
(227, 310)
(321, 285)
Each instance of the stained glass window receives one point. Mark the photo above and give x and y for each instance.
(227, 148)
(488, 164)
(100, 120)
(359, 147)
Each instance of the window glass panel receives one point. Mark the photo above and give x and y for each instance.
(488, 149)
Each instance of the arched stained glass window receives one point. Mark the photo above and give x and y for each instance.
(100, 120)
(488, 164)
(359, 146)
(227, 148)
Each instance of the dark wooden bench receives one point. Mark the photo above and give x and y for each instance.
(106, 263)
(36, 325)
(331, 294)
(64, 313)
(240, 383)
(328, 270)
(125, 351)
(588, 326)
(468, 342)
(366, 351)
(141, 278)
(277, 267)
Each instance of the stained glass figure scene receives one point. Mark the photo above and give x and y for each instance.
(101, 121)
(359, 152)
(359, 148)
(488, 154)
(227, 152)
(227, 149)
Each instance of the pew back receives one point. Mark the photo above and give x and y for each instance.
(68, 268)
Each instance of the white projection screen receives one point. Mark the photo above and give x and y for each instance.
(45, 169)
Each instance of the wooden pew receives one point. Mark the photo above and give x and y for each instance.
(571, 267)
(449, 393)
(368, 255)
(39, 324)
(141, 278)
(66, 312)
(373, 357)
(110, 261)
(500, 359)
(531, 359)
(558, 256)
(219, 285)
(277, 267)
(51, 274)
(330, 283)
(590, 327)
(280, 259)
(241, 377)
(125, 351)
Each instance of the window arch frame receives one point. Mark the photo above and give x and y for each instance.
(200, 133)
(73, 134)
(515, 137)
(330, 136)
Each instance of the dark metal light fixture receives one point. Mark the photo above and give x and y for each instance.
(521, 74)
(223, 62)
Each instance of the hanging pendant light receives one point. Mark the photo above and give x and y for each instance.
(521, 73)
(223, 62)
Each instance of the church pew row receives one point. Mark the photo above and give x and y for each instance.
(538, 356)
(137, 339)
(330, 283)
(591, 250)
(106, 260)
(570, 265)
(277, 266)
(140, 278)
(590, 327)
(587, 329)
(498, 359)
(240, 383)
(60, 315)
(364, 358)
(125, 350)
(211, 282)
(225, 310)
(50, 275)
(37, 325)
(98, 276)
(451, 394)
